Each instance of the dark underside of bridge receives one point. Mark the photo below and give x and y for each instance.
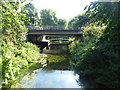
(36, 36)
(41, 45)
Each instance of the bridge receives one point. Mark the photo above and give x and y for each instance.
(41, 37)
(59, 39)
(55, 32)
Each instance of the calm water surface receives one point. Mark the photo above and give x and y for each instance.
(50, 78)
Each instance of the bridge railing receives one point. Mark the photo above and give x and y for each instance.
(49, 27)
(46, 27)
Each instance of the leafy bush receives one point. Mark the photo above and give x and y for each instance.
(92, 32)
(95, 59)
(15, 59)
(31, 52)
(100, 63)
(16, 54)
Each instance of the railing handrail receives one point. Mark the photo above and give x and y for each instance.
(48, 27)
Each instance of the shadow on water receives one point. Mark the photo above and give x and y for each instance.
(58, 62)
(57, 74)
(58, 57)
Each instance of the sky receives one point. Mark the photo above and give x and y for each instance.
(65, 9)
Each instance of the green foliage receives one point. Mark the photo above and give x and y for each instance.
(16, 54)
(15, 59)
(11, 63)
(31, 14)
(62, 23)
(93, 32)
(12, 24)
(106, 13)
(99, 57)
(30, 52)
(79, 50)
(78, 22)
(99, 63)
(0, 65)
(48, 17)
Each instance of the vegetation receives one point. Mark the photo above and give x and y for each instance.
(48, 18)
(98, 58)
(31, 14)
(77, 22)
(16, 53)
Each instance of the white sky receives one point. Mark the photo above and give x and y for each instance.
(65, 9)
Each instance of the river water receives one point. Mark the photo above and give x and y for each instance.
(50, 79)
(57, 74)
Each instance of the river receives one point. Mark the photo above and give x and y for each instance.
(57, 73)
(50, 79)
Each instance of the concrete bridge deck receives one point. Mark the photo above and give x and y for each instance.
(55, 32)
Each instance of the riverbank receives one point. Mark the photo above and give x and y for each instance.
(57, 73)
(40, 62)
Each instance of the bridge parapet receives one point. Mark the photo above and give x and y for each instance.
(49, 27)
(46, 27)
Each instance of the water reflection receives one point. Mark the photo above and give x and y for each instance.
(51, 79)
(56, 49)
(57, 73)
(0, 82)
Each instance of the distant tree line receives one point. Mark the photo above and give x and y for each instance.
(46, 17)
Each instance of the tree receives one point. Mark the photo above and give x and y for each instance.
(50, 21)
(100, 59)
(11, 23)
(31, 14)
(62, 24)
(16, 53)
(13, 32)
(48, 17)
(78, 22)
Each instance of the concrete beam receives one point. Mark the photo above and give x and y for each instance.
(55, 32)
